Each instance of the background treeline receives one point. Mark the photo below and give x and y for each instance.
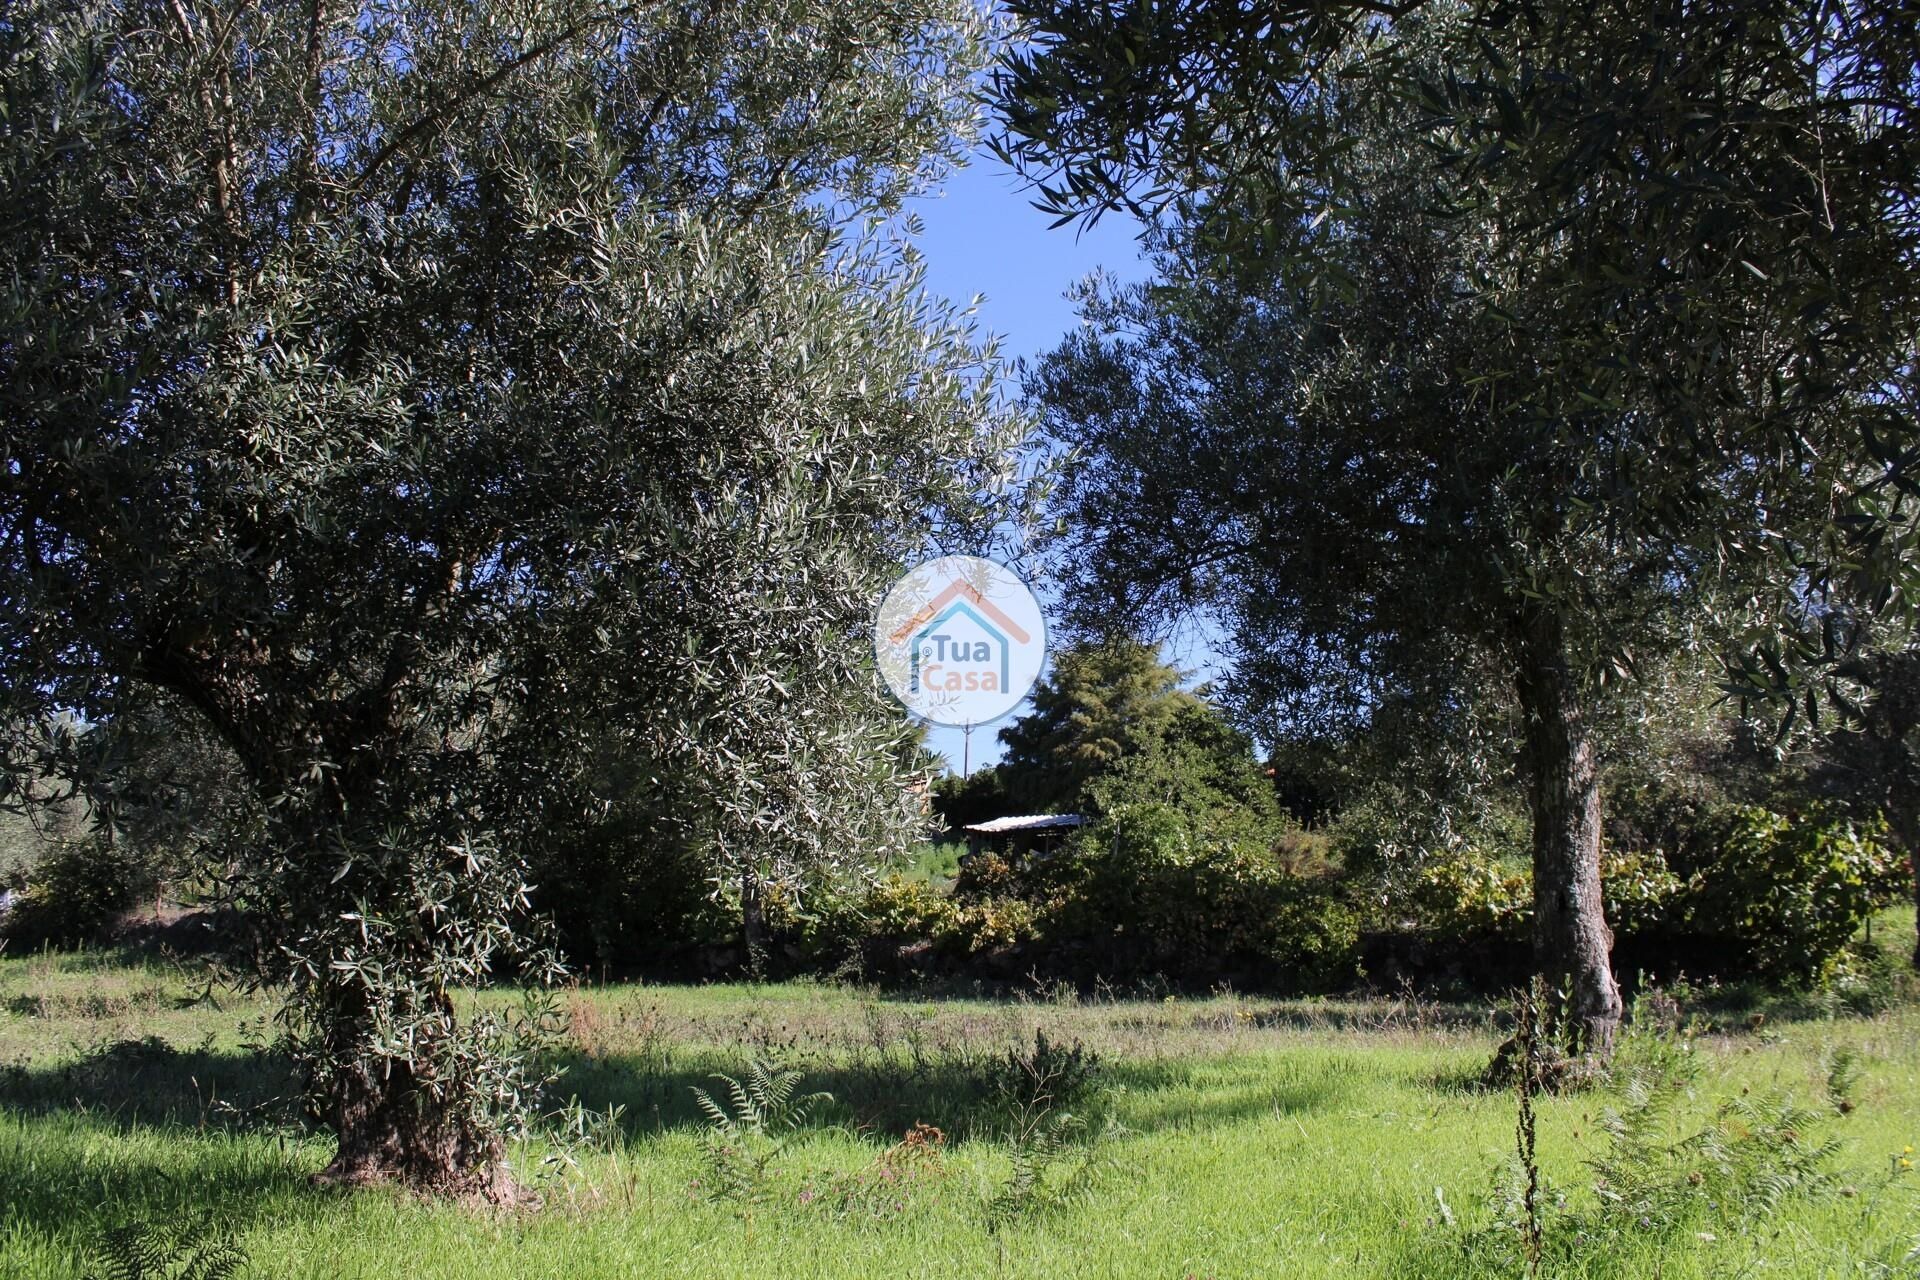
(1310, 865)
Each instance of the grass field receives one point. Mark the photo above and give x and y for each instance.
(1228, 1137)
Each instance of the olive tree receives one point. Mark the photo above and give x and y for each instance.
(1511, 342)
(437, 397)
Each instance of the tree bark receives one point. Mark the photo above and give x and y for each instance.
(1913, 861)
(1572, 944)
(391, 1125)
(1902, 810)
(753, 923)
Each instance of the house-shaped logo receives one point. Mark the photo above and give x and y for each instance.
(960, 640)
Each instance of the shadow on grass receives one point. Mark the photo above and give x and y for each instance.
(884, 1100)
(58, 1179)
(150, 1083)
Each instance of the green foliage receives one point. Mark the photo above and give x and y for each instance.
(1143, 893)
(190, 1249)
(438, 401)
(1843, 1078)
(766, 1102)
(1794, 890)
(1659, 1174)
(1463, 895)
(1050, 1076)
(748, 1127)
(1110, 723)
(1096, 704)
(892, 1185)
(1641, 354)
(902, 906)
(1759, 893)
(1490, 359)
(1055, 1164)
(74, 893)
(1138, 895)
(626, 895)
(977, 797)
(1189, 870)
(1056, 1161)
(1663, 1170)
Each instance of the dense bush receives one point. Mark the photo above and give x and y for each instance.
(74, 894)
(624, 897)
(1143, 893)
(1197, 895)
(1137, 895)
(1759, 894)
(1792, 891)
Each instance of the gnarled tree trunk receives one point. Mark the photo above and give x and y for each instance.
(1903, 822)
(1572, 944)
(394, 1123)
(391, 1128)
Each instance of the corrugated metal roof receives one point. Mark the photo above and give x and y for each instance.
(1026, 822)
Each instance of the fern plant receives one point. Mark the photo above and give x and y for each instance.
(1055, 1163)
(766, 1102)
(1754, 1153)
(1843, 1077)
(748, 1125)
(194, 1250)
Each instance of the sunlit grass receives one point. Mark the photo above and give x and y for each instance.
(1255, 1138)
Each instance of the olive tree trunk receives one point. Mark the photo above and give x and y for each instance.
(390, 1127)
(753, 922)
(1902, 811)
(1572, 944)
(402, 1119)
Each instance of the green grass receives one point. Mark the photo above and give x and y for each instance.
(1261, 1138)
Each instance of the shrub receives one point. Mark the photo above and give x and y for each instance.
(1139, 895)
(621, 897)
(1759, 893)
(853, 930)
(1049, 1076)
(1464, 895)
(1794, 891)
(1643, 893)
(900, 907)
(74, 894)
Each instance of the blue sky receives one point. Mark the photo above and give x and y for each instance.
(982, 235)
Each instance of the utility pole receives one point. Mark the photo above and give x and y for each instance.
(966, 749)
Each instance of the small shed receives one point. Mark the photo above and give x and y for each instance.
(1022, 834)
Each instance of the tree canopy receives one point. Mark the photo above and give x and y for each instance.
(434, 396)
(1702, 237)
(1493, 346)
